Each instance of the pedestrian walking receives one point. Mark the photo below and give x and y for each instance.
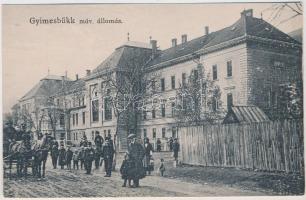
(176, 148)
(62, 157)
(69, 155)
(162, 167)
(82, 157)
(108, 154)
(136, 152)
(127, 170)
(89, 156)
(54, 155)
(76, 158)
(148, 154)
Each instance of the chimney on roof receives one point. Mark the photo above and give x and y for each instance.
(174, 42)
(206, 30)
(184, 38)
(76, 77)
(247, 13)
(154, 47)
(87, 72)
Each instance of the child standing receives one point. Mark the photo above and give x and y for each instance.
(75, 158)
(126, 170)
(162, 167)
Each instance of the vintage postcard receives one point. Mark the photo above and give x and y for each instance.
(152, 100)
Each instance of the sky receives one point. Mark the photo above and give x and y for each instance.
(30, 51)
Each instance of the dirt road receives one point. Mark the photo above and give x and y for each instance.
(75, 183)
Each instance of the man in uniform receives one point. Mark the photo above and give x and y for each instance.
(108, 154)
(89, 157)
(54, 155)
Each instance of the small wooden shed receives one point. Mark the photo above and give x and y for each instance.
(245, 114)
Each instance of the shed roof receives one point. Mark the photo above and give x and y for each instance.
(245, 114)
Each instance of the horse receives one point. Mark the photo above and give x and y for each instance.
(19, 152)
(40, 150)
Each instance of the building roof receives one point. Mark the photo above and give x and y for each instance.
(129, 52)
(245, 114)
(75, 86)
(47, 86)
(246, 25)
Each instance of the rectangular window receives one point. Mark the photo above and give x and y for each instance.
(73, 119)
(77, 118)
(172, 82)
(174, 132)
(163, 110)
(173, 109)
(108, 108)
(229, 100)
(215, 72)
(144, 133)
(153, 114)
(214, 104)
(62, 136)
(83, 115)
(95, 110)
(83, 101)
(57, 102)
(92, 135)
(144, 113)
(154, 132)
(184, 79)
(163, 132)
(162, 84)
(108, 131)
(229, 68)
(76, 136)
(62, 120)
(153, 85)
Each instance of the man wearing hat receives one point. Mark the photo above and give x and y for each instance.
(176, 148)
(108, 154)
(89, 157)
(136, 152)
(98, 140)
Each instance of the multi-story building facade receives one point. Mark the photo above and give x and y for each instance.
(248, 60)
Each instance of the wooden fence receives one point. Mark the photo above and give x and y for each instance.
(271, 146)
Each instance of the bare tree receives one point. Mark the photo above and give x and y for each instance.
(198, 99)
(125, 90)
(277, 10)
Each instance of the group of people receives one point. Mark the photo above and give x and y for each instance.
(86, 155)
